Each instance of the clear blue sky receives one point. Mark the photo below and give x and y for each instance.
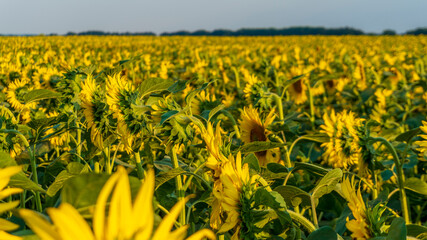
(61, 16)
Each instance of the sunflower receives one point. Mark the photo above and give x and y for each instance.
(15, 93)
(5, 175)
(253, 129)
(359, 226)
(124, 221)
(8, 142)
(203, 102)
(57, 140)
(230, 195)
(214, 143)
(343, 150)
(298, 90)
(121, 95)
(98, 118)
(255, 91)
(423, 143)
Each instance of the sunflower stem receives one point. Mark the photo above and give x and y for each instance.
(310, 96)
(139, 169)
(178, 184)
(33, 169)
(233, 122)
(313, 212)
(279, 106)
(400, 176)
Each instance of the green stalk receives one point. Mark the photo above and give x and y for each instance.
(139, 169)
(279, 106)
(313, 212)
(310, 97)
(178, 184)
(400, 176)
(233, 122)
(79, 137)
(33, 169)
(108, 167)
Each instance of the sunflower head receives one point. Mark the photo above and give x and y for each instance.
(203, 103)
(253, 130)
(298, 90)
(122, 99)
(256, 91)
(344, 148)
(422, 144)
(9, 142)
(99, 119)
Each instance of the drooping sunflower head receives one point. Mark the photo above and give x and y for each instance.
(203, 103)
(344, 148)
(214, 144)
(254, 129)
(122, 99)
(255, 91)
(96, 111)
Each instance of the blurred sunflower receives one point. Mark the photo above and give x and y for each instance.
(15, 93)
(253, 129)
(231, 192)
(298, 90)
(255, 91)
(98, 117)
(423, 143)
(60, 139)
(359, 226)
(343, 150)
(121, 97)
(5, 175)
(203, 103)
(214, 144)
(124, 221)
(8, 142)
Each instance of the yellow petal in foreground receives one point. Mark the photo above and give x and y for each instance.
(40, 226)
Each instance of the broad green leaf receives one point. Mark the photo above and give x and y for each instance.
(73, 169)
(416, 185)
(294, 196)
(215, 111)
(324, 232)
(39, 94)
(152, 85)
(408, 135)
(312, 168)
(166, 176)
(292, 81)
(82, 191)
(319, 137)
(415, 230)
(168, 115)
(327, 183)
(19, 180)
(259, 146)
(397, 230)
(277, 168)
(42, 123)
(269, 198)
(252, 161)
(304, 222)
(178, 86)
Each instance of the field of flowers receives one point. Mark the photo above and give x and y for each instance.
(213, 137)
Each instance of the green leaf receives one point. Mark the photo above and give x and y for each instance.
(269, 198)
(178, 86)
(19, 180)
(277, 168)
(416, 185)
(82, 191)
(292, 81)
(39, 94)
(168, 115)
(397, 230)
(415, 230)
(152, 85)
(318, 137)
(327, 183)
(166, 176)
(324, 232)
(215, 111)
(408, 135)
(252, 161)
(294, 196)
(73, 169)
(259, 146)
(312, 168)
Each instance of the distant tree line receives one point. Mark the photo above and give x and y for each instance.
(252, 32)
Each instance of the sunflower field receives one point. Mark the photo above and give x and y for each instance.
(145, 137)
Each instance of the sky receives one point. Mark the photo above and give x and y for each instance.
(62, 16)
